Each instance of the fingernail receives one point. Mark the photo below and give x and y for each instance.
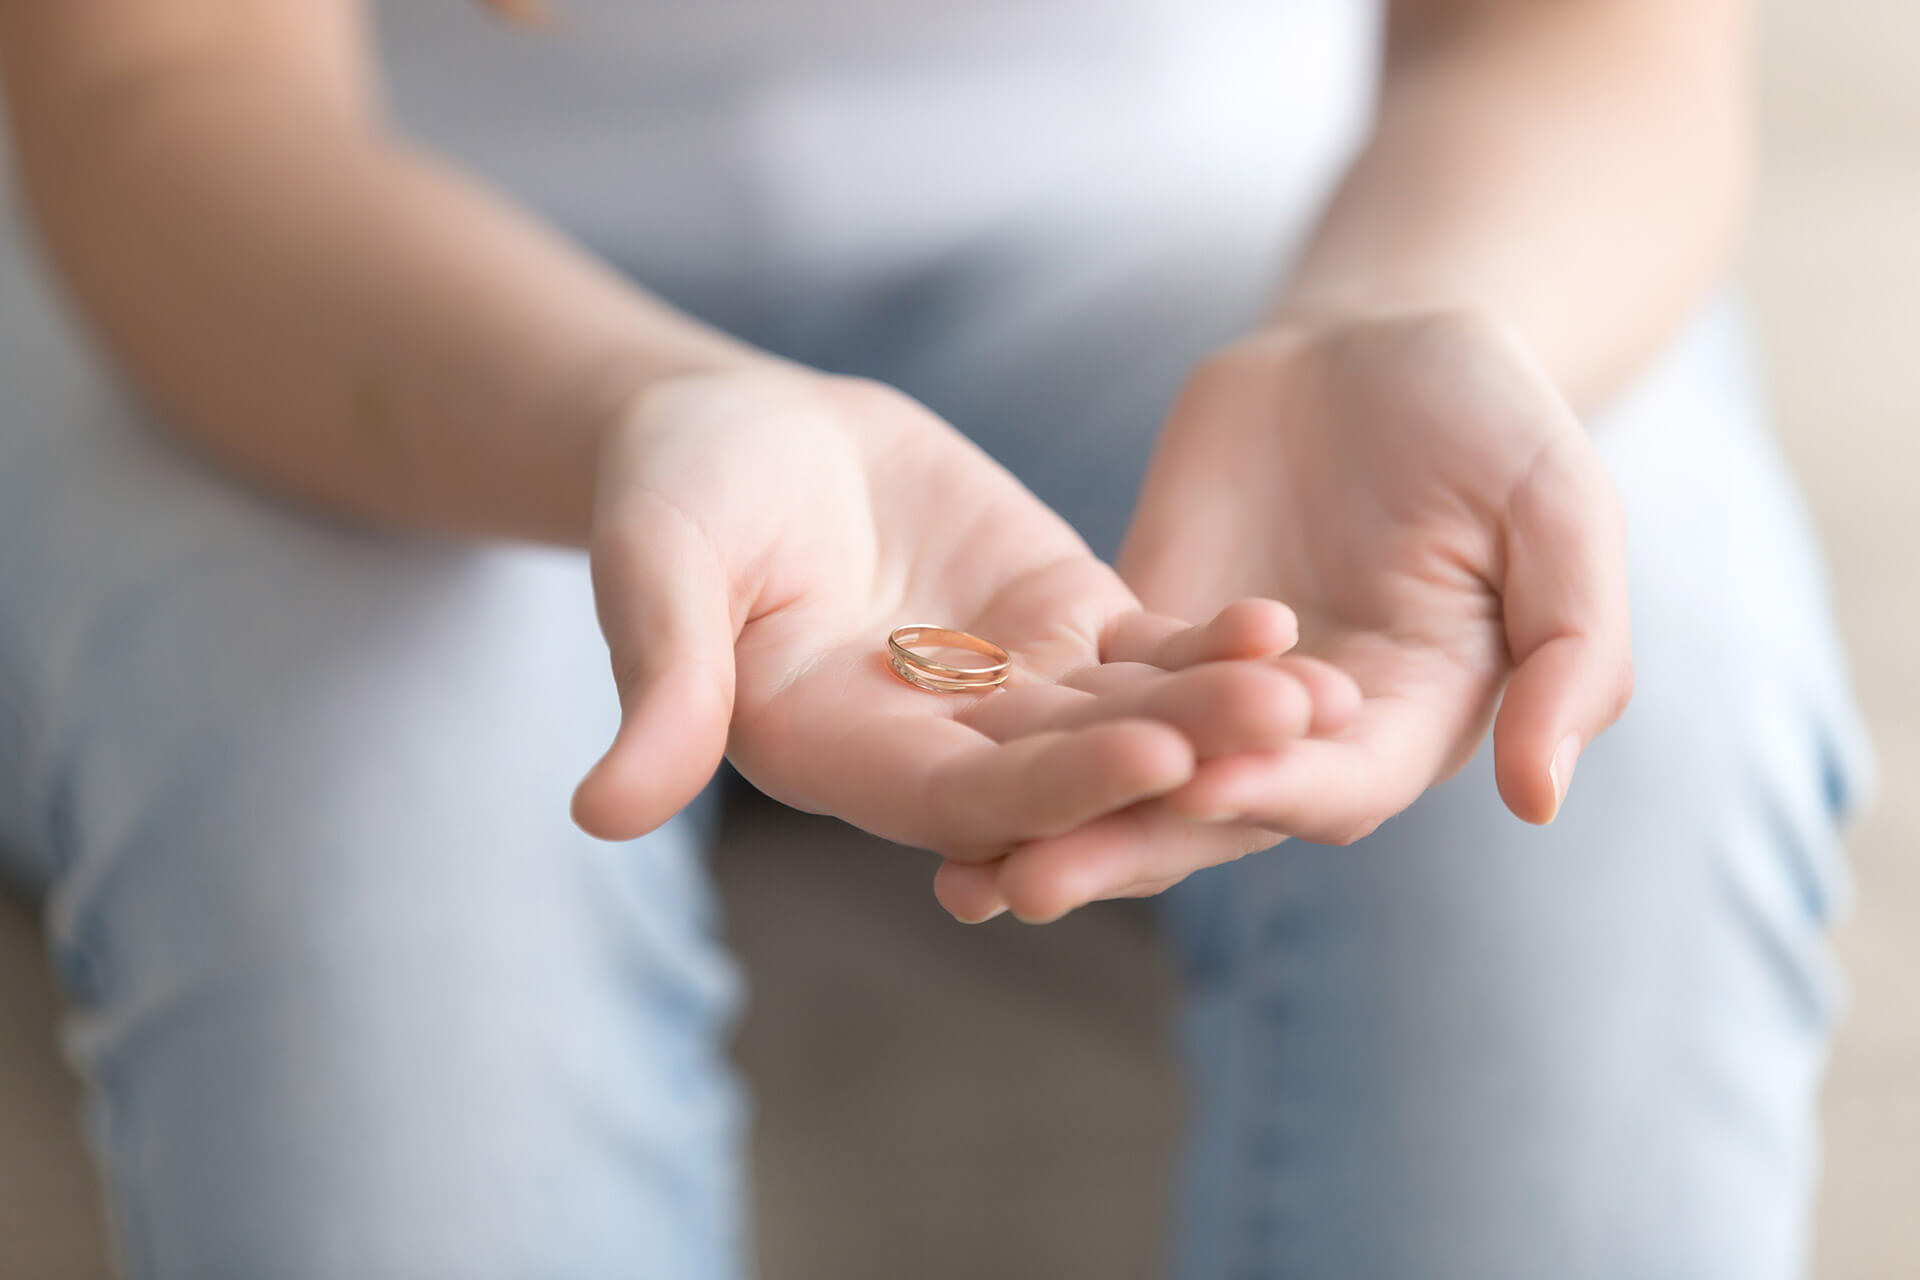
(994, 914)
(1560, 772)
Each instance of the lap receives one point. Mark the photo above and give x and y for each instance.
(299, 793)
(350, 994)
(1470, 1047)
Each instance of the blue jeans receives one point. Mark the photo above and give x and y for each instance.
(351, 998)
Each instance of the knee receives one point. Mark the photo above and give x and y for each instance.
(346, 757)
(352, 995)
(501, 1058)
(308, 1147)
(318, 720)
(321, 685)
(437, 1042)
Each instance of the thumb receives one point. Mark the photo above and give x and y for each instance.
(1566, 614)
(663, 600)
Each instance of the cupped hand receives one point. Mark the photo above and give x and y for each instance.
(758, 534)
(1419, 492)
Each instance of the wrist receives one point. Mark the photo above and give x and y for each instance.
(632, 400)
(1418, 328)
(1331, 309)
(678, 422)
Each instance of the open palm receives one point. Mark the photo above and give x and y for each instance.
(758, 536)
(1420, 493)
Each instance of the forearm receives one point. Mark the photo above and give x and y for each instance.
(337, 317)
(1576, 168)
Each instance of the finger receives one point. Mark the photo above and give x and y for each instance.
(1149, 888)
(1221, 708)
(969, 891)
(663, 604)
(1052, 783)
(938, 784)
(1566, 614)
(1045, 879)
(1033, 706)
(1250, 628)
(1335, 696)
(1327, 790)
(1251, 702)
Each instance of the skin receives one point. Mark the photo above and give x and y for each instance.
(757, 536)
(1397, 455)
(1451, 540)
(330, 314)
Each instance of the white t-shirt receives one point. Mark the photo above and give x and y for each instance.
(867, 131)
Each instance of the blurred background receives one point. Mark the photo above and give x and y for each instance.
(941, 1102)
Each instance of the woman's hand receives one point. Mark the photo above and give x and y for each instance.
(1419, 492)
(758, 534)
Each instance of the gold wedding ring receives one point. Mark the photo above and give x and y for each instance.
(939, 677)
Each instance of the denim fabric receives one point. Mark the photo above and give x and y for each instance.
(1467, 1047)
(351, 998)
(1470, 1048)
(349, 994)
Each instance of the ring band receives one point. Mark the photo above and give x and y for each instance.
(939, 677)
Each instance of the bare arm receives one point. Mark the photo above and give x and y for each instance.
(1386, 458)
(330, 313)
(305, 298)
(1574, 167)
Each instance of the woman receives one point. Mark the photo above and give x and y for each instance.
(349, 996)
